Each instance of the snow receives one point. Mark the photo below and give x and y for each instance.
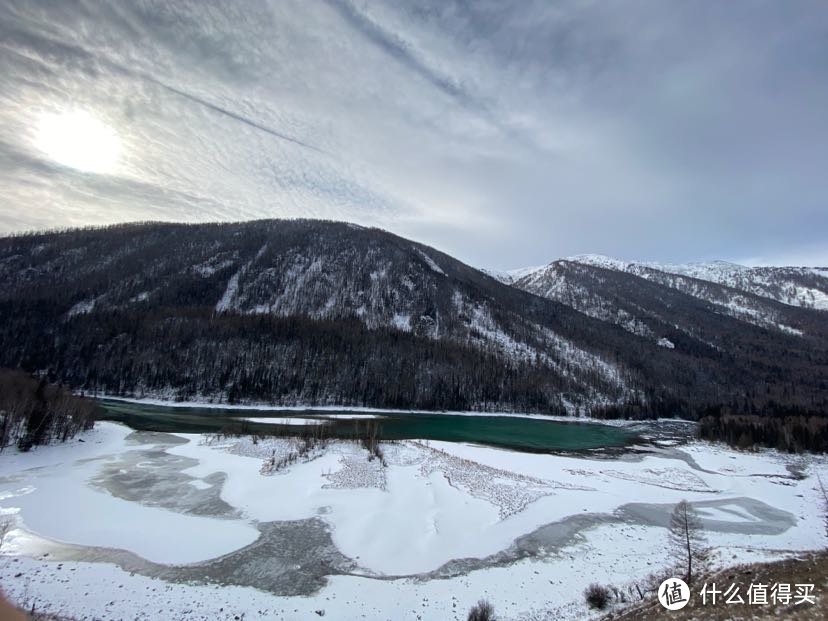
(209, 268)
(419, 523)
(293, 420)
(556, 351)
(776, 283)
(813, 297)
(665, 342)
(56, 502)
(599, 260)
(431, 263)
(433, 502)
(512, 276)
(401, 322)
(517, 591)
(82, 308)
(226, 302)
(482, 322)
(517, 274)
(501, 275)
(789, 329)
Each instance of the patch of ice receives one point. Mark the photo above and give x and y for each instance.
(64, 507)
(293, 420)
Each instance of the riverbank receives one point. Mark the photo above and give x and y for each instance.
(337, 409)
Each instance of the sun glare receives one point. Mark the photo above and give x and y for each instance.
(80, 140)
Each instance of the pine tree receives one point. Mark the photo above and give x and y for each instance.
(688, 545)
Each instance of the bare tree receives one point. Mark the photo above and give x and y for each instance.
(688, 545)
(597, 596)
(6, 525)
(481, 611)
(824, 503)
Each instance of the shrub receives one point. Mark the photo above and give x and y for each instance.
(597, 596)
(481, 611)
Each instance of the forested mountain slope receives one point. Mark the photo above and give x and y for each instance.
(634, 299)
(321, 312)
(806, 287)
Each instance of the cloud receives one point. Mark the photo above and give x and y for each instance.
(507, 133)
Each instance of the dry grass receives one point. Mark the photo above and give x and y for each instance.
(808, 569)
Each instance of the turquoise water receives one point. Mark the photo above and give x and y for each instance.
(524, 434)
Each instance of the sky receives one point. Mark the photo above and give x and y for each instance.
(506, 133)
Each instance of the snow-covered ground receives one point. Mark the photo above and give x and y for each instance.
(590, 519)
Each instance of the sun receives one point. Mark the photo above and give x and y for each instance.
(79, 140)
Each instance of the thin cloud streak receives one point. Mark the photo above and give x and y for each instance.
(232, 115)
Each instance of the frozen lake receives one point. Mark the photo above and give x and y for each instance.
(149, 524)
(523, 433)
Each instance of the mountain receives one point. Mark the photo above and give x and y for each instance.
(796, 286)
(316, 312)
(629, 295)
(510, 277)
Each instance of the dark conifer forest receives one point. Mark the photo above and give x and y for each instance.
(34, 411)
(314, 312)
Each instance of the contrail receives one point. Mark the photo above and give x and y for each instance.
(232, 115)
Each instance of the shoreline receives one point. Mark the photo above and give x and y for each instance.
(248, 407)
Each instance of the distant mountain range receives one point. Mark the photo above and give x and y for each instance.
(320, 312)
(761, 296)
(797, 286)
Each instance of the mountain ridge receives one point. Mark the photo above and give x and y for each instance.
(796, 286)
(319, 312)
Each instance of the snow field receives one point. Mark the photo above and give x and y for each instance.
(433, 503)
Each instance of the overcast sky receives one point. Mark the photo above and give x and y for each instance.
(505, 133)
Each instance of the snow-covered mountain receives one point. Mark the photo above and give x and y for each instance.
(339, 277)
(641, 300)
(322, 312)
(796, 286)
(579, 281)
(509, 277)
